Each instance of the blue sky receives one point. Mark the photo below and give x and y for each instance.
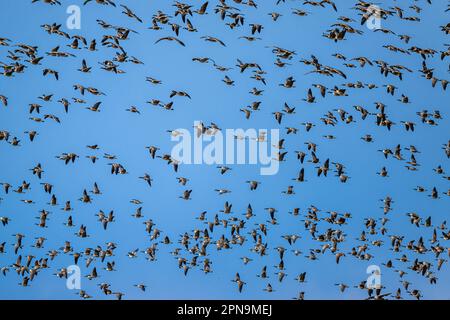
(126, 135)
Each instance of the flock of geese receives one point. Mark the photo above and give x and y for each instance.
(422, 255)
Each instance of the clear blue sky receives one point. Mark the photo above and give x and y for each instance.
(125, 134)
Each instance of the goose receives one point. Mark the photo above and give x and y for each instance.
(179, 94)
(289, 191)
(128, 12)
(141, 287)
(93, 274)
(342, 287)
(4, 221)
(202, 9)
(186, 195)
(301, 277)
(171, 39)
(247, 113)
(213, 39)
(222, 191)
(288, 83)
(253, 184)
(228, 81)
